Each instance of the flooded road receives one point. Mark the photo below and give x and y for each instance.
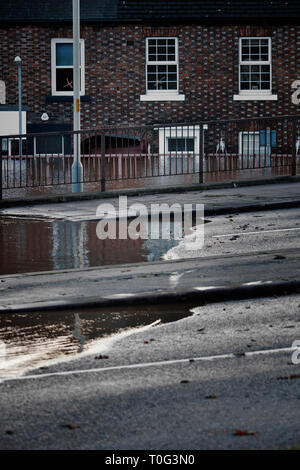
(32, 245)
(39, 338)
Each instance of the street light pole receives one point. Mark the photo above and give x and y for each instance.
(77, 166)
(18, 61)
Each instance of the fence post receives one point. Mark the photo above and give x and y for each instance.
(102, 162)
(201, 154)
(0, 168)
(294, 156)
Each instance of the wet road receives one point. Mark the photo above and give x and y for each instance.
(41, 338)
(244, 233)
(190, 384)
(33, 245)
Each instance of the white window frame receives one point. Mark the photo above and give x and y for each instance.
(54, 42)
(179, 132)
(262, 149)
(162, 95)
(255, 94)
(45, 154)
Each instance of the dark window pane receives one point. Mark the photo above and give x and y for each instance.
(64, 54)
(180, 145)
(172, 68)
(151, 42)
(245, 68)
(151, 68)
(162, 85)
(265, 85)
(64, 79)
(244, 86)
(172, 77)
(152, 86)
(162, 68)
(161, 42)
(172, 86)
(15, 143)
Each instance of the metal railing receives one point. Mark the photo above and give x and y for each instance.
(210, 150)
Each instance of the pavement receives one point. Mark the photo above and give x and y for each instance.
(216, 201)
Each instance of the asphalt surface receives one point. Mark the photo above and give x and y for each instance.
(244, 233)
(247, 251)
(215, 201)
(191, 384)
(224, 378)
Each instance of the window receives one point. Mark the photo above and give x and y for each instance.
(257, 142)
(162, 69)
(180, 139)
(62, 66)
(181, 144)
(255, 69)
(49, 145)
(11, 146)
(162, 64)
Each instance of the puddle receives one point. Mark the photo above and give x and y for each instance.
(32, 340)
(42, 245)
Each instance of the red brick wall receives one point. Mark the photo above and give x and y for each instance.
(115, 72)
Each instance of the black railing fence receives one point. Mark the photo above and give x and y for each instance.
(221, 149)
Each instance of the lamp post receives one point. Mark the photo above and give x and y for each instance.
(18, 61)
(76, 166)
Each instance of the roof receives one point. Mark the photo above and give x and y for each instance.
(209, 9)
(56, 11)
(15, 11)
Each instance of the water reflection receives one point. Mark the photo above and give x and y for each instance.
(40, 245)
(36, 338)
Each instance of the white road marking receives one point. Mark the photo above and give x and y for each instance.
(149, 364)
(204, 288)
(256, 283)
(258, 232)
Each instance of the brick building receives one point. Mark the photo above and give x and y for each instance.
(149, 61)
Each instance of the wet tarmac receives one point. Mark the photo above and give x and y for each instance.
(41, 338)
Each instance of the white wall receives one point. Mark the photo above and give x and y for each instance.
(9, 122)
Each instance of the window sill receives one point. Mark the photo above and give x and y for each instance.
(162, 97)
(254, 97)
